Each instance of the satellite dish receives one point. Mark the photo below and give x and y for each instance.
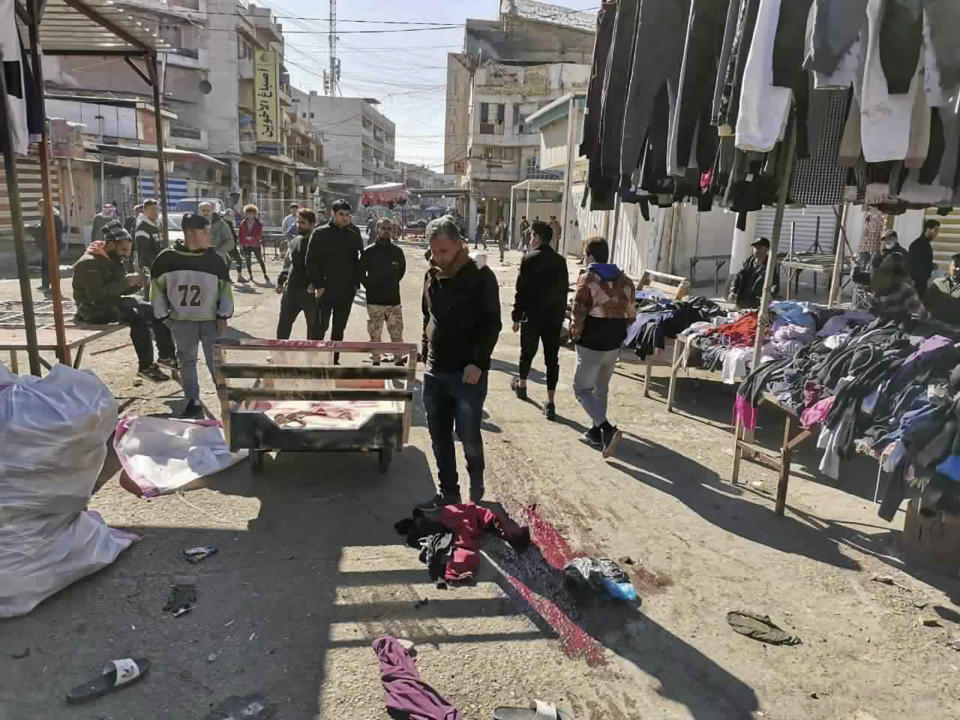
(205, 87)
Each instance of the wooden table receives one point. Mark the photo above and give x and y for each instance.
(814, 262)
(719, 261)
(779, 461)
(14, 339)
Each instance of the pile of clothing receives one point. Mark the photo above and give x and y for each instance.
(659, 319)
(449, 539)
(886, 388)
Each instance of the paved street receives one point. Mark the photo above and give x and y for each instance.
(310, 570)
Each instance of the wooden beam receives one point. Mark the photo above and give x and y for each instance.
(103, 21)
(137, 70)
(161, 158)
(262, 393)
(53, 247)
(302, 372)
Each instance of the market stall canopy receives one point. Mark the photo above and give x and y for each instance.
(92, 27)
(150, 151)
(388, 194)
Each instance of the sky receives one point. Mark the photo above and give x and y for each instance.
(405, 70)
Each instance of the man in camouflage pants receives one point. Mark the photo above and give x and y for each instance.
(382, 267)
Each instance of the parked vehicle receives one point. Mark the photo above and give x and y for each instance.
(192, 205)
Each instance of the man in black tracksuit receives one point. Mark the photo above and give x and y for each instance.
(539, 308)
(294, 282)
(333, 264)
(382, 267)
(920, 257)
(461, 325)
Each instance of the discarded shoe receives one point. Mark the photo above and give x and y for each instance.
(760, 627)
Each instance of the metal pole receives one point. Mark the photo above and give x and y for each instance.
(785, 170)
(16, 218)
(816, 249)
(838, 258)
(616, 226)
(568, 172)
(161, 158)
(53, 247)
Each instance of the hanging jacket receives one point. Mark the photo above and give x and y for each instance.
(603, 307)
(382, 267)
(542, 287)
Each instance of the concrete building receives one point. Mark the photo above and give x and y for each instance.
(209, 87)
(509, 68)
(359, 141)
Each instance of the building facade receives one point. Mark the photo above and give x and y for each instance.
(213, 92)
(359, 141)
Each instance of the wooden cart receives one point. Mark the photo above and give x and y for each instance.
(264, 386)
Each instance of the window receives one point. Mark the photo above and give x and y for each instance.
(501, 113)
(304, 115)
(312, 116)
(484, 112)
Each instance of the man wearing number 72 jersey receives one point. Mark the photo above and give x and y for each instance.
(191, 294)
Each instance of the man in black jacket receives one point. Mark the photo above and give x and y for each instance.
(461, 325)
(294, 282)
(539, 308)
(148, 239)
(100, 289)
(920, 256)
(333, 264)
(747, 288)
(382, 267)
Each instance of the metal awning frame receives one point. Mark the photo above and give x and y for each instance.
(71, 27)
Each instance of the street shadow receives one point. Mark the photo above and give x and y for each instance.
(722, 504)
(513, 369)
(586, 627)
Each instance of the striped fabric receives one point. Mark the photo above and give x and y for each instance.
(176, 188)
(31, 190)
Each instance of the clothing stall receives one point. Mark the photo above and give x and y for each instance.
(753, 103)
(31, 28)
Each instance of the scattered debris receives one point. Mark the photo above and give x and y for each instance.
(25, 653)
(181, 600)
(196, 554)
(249, 707)
(887, 580)
(253, 636)
(954, 643)
(585, 575)
(814, 696)
(947, 614)
(929, 620)
(626, 560)
(229, 623)
(212, 657)
(760, 627)
(920, 604)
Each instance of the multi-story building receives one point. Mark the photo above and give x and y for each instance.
(359, 141)
(229, 103)
(509, 68)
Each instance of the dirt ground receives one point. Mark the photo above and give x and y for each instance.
(309, 571)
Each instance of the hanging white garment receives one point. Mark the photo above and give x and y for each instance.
(885, 119)
(764, 107)
(16, 106)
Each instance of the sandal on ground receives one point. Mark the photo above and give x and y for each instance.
(539, 710)
(115, 674)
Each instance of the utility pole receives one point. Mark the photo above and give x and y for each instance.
(334, 71)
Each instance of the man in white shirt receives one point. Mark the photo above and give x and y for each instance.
(290, 221)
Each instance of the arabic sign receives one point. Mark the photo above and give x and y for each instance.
(266, 97)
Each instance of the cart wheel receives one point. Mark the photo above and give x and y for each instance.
(385, 457)
(256, 459)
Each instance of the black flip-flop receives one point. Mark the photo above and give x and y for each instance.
(539, 710)
(115, 674)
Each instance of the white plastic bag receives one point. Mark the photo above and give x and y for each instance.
(161, 455)
(53, 434)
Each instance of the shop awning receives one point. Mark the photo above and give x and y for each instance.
(388, 194)
(94, 27)
(150, 151)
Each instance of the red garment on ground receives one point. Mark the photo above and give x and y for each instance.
(739, 333)
(470, 525)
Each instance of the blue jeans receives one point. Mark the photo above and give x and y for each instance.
(189, 335)
(451, 403)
